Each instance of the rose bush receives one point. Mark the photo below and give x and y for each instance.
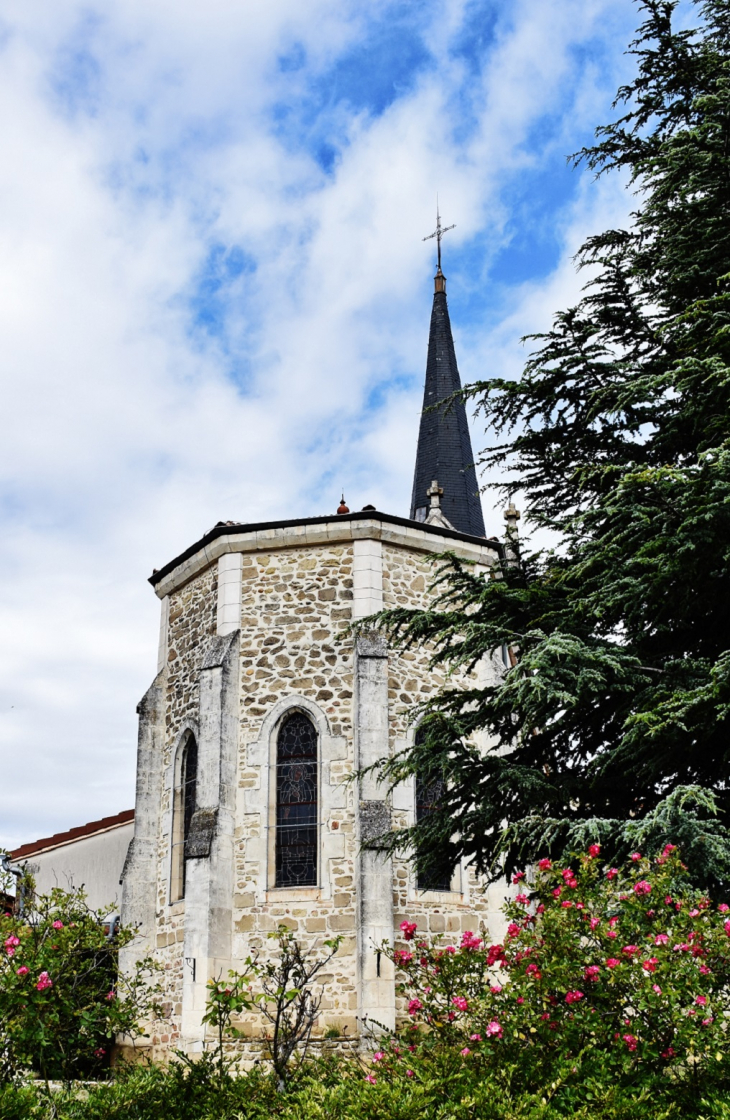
(607, 974)
(62, 998)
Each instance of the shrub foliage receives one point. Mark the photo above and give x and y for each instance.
(62, 998)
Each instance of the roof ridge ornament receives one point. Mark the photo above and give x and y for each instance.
(438, 233)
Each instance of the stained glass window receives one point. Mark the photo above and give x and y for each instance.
(429, 793)
(183, 809)
(296, 803)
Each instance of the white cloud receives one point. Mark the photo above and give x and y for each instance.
(134, 140)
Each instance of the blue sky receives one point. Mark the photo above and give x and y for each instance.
(216, 297)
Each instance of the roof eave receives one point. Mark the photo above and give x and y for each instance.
(228, 529)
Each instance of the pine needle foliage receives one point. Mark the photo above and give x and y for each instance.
(616, 711)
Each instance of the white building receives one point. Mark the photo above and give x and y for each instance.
(91, 856)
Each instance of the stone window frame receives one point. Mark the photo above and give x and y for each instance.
(188, 728)
(404, 798)
(263, 753)
(312, 754)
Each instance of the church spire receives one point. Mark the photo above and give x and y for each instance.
(444, 447)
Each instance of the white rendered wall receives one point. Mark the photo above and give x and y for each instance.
(92, 862)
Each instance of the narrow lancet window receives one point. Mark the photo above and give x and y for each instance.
(296, 803)
(182, 813)
(430, 790)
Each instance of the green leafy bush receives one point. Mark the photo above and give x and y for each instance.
(608, 999)
(606, 976)
(62, 999)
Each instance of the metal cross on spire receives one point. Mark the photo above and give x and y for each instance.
(438, 233)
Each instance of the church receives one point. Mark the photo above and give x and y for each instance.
(248, 814)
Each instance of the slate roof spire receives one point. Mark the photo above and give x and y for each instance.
(444, 448)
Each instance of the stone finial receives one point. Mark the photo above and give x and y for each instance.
(511, 547)
(512, 516)
(435, 493)
(435, 514)
(342, 508)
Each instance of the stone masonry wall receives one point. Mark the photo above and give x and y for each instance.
(296, 604)
(296, 610)
(406, 578)
(192, 623)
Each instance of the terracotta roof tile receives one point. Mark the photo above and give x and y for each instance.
(77, 833)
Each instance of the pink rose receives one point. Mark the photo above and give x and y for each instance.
(11, 943)
(414, 1006)
(496, 989)
(410, 1073)
(518, 877)
(594, 850)
(408, 930)
(657, 989)
(22, 971)
(629, 1039)
(611, 933)
(58, 925)
(44, 981)
(544, 864)
(369, 1077)
(612, 962)
(591, 972)
(612, 873)
(465, 1052)
(475, 1038)
(573, 997)
(568, 874)
(723, 908)
(378, 1056)
(595, 923)
(460, 1003)
(701, 1001)
(636, 856)
(522, 899)
(661, 939)
(642, 887)
(649, 965)
(494, 1029)
(514, 930)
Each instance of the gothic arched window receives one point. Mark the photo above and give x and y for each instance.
(430, 790)
(182, 813)
(296, 803)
